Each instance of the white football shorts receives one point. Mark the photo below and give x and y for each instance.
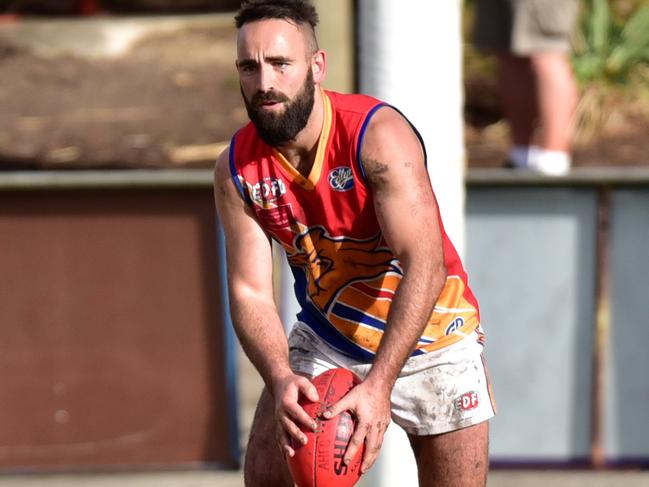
(435, 393)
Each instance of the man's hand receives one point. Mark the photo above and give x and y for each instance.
(289, 415)
(370, 405)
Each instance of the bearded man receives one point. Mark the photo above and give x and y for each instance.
(340, 182)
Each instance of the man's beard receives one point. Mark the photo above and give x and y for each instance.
(278, 129)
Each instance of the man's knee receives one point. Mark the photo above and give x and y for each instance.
(264, 465)
(549, 62)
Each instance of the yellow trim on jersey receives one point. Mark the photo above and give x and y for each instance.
(375, 307)
(314, 176)
(387, 282)
(363, 336)
(470, 325)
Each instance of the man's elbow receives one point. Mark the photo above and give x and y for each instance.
(432, 272)
(439, 274)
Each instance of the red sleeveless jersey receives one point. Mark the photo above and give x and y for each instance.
(345, 273)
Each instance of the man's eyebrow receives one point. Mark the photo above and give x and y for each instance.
(269, 59)
(277, 59)
(247, 62)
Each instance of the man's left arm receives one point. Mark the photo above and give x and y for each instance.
(405, 206)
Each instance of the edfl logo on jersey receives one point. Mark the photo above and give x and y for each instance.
(341, 178)
(267, 190)
(456, 324)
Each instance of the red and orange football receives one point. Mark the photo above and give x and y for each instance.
(319, 463)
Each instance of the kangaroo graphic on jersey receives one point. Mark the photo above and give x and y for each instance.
(333, 263)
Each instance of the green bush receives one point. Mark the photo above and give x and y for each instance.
(611, 44)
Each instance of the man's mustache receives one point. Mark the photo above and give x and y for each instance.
(268, 97)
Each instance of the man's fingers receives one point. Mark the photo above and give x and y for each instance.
(284, 443)
(337, 408)
(307, 388)
(373, 442)
(298, 414)
(355, 443)
(293, 430)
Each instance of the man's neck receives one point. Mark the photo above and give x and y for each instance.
(301, 151)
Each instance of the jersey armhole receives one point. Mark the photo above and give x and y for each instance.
(235, 175)
(361, 137)
(366, 122)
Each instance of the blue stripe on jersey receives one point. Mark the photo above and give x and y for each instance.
(366, 122)
(361, 136)
(321, 326)
(357, 316)
(311, 316)
(235, 174)
(393, 268)
(414, 129)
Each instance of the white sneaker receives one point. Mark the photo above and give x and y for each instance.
(550, 162)
(534, 158)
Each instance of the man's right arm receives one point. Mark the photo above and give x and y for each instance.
(254, 314)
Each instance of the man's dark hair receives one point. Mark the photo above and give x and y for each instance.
(299, 12)
(296, 11)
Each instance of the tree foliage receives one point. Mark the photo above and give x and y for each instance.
(611, 43)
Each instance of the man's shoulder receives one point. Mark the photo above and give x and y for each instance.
(353, 102)
(246, 143)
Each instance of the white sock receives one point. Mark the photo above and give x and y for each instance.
(551, 162)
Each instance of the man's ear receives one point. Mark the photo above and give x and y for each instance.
(319, 66)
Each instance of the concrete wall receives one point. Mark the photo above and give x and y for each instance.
(532, 263)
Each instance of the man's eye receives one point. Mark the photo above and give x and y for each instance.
(281, 65)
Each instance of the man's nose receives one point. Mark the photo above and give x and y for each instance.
(266, 79)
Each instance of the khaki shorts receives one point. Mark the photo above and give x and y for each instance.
(524, 27)
(435, 393)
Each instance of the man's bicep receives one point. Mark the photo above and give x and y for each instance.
(248, 248)
(407, 214)
(393, 160)
(249, 258)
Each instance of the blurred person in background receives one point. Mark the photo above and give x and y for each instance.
(532, 41)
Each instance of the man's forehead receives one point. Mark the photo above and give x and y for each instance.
(275, 34)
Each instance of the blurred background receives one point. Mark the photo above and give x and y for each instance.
(609, 60)
(117, 357)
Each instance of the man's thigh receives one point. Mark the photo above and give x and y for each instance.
(459, 458)
(264, 465)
